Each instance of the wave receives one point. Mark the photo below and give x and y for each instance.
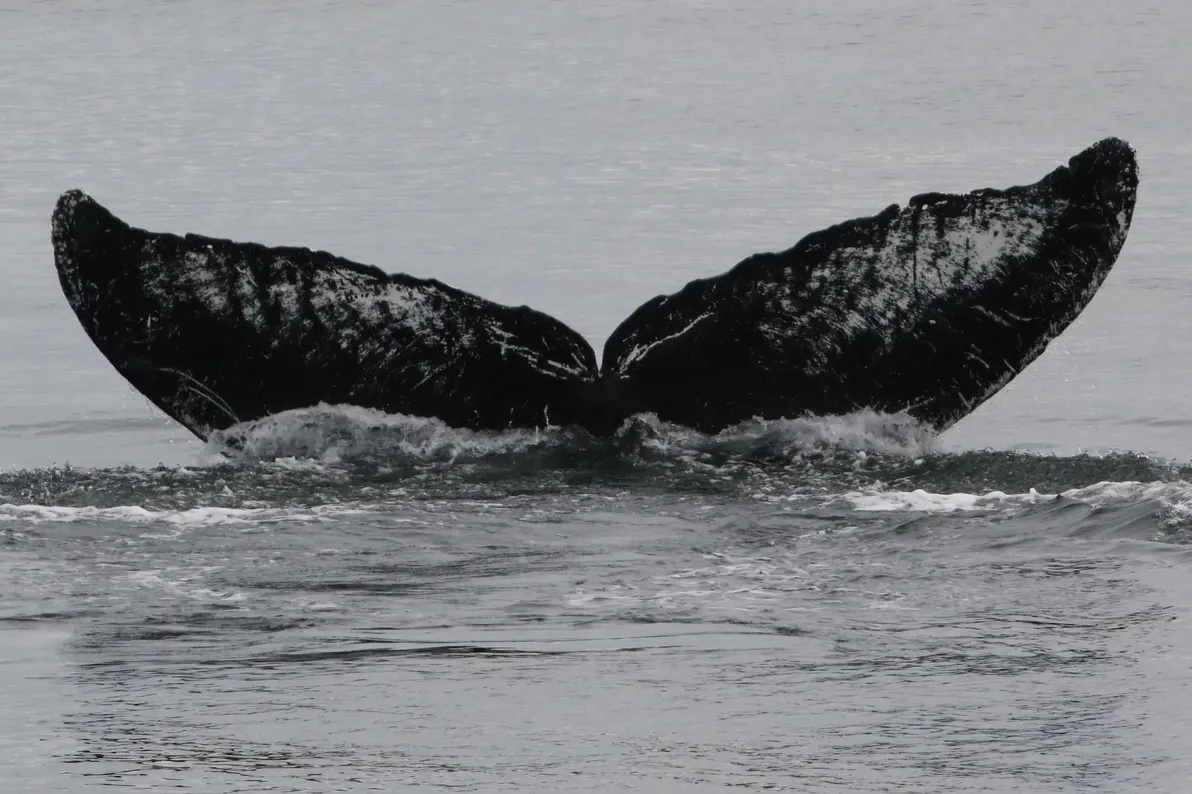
(1154, 511)
(188, 517)
(333, 462)
(1178, 494)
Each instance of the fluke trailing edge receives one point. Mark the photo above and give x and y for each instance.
(928, 308)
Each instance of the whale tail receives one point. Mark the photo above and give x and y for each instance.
(929, 308)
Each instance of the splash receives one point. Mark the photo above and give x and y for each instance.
(865, 432)
(343, 458)
(333, 433)
(336, 433)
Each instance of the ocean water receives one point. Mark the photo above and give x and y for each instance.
(361, 602)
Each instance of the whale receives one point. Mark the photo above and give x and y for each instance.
(929, 308)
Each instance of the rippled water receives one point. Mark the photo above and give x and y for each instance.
(408, 606)
(346, 601)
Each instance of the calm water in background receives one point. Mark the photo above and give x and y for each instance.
(393, 605)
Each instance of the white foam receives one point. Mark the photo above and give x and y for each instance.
(921, 501)
(864, 432)
(326, 433)
(1175, 495)
(193, 517)
(179, 584)
(310, 438)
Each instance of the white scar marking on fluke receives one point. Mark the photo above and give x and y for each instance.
(200, 389)
(1123, 225)
(881, 288)
(640, 351)
(916, 266)
(358, 312)
(361, 310)
(503, 339)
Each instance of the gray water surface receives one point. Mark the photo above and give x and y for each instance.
(833, 606)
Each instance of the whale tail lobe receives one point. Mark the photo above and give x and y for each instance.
(928, 308)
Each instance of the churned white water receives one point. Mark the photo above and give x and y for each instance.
(359, 602)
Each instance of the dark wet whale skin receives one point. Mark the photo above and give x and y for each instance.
(930, 308)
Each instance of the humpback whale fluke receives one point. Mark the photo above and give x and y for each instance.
(929, 308)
